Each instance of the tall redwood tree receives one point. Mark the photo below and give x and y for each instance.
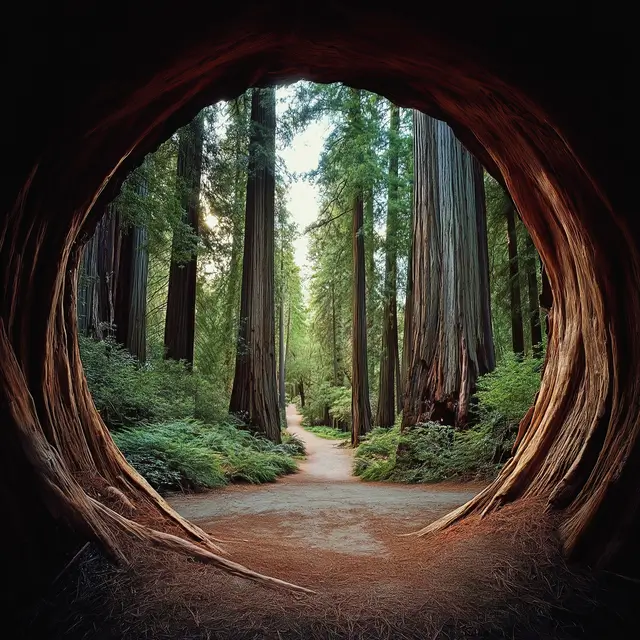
(451, 338)
(389, 361)
(254, 396)
(179, 326)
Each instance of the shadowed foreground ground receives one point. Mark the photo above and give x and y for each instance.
(503, 576)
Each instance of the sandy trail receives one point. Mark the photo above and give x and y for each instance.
(320, 510)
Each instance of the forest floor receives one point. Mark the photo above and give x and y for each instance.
(502, 576)
(322, 516)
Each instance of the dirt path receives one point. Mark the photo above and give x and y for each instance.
(321, 509)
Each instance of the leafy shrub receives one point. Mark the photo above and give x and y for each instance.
(505, 395)
(128, 393)
(328, 433)
(292, 445)
(340, 405)
(433, 452)
(429, 452)
(186, 455)
(326, 401)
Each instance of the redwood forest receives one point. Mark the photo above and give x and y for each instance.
(318, 329)
(400, 312)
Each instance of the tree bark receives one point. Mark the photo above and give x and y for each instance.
(235, 263)
(254, 396)
(131, 290)
(450, 341)
(179, 331)
(334, 336)
(537, 118)
(360, 407)
(386, 411)
(531, 256)
(281, 349)
(517, 328)
(98, 279)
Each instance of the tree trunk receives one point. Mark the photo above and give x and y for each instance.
(360, 407)
(450, 341)
(235, 263)
(487, 354)
(179, 330)
(534, 303)
(254, 396)
(334, 337)
(88, 287)
(386, 412)
(301, 391)
(131, 290)
(407, 334)
(370, 270)
(96, 314)
(517, 329)
(281, 350)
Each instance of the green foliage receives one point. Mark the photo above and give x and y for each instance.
(187, 455)
(127, 393)
(294, 446)
(433, 452)
(505, 395)
(325, 398)
(429, 452)
(328, 433)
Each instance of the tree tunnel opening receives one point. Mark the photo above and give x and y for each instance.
(526, 111)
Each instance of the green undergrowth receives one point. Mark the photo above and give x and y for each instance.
(433, 452)
(186, 455)
(328, 433)
(172, 425)
(429, 452)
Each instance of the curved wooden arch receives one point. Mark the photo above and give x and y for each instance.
(517, 95)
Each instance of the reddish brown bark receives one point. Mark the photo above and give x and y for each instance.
(254, 396)
(451, 340)
(360, 407)
(535, 326)
(389, 361)
(515, 298)
(522, 106)
(179, 328)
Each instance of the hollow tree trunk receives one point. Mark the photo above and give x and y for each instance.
(386, 412)
(531, 256)
(517, 328)
(360, 407)
(536, 117)
(179, 328)
(254, 395)
(451, 342)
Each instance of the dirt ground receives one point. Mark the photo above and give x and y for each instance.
(503, 576)
(315, 524)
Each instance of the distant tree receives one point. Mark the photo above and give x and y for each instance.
(181, 300)
(254, 395)
(389, 364)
